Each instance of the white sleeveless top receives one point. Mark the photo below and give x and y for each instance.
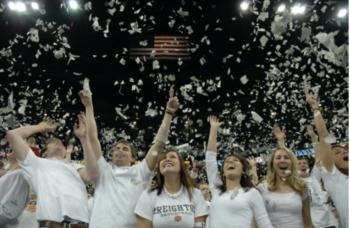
(285, 209)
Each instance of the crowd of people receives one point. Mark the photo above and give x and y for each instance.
(47, 189)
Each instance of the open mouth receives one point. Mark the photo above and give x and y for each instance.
(346, 158)
(168, 165)
(231, 168)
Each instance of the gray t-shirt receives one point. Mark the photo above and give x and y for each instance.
(14, 191)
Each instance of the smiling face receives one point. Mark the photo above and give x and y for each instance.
(341, 157)
(170, 163)
(233, 168)
(122, 155)
(282, 163)
(303, 168)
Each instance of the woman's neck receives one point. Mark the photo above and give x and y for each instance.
(172, 183)
(232, 183)
(283, 186)
(13, 165)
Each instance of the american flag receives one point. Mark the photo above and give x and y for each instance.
(168, 47)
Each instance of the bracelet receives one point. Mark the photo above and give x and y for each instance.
(169, 112)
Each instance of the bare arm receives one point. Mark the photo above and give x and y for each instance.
(314, 140)
(323, 150)
(143, 223)
(80, 132)
(214, 126)
(69, 152)
(163, 131)
(253, 171)
(16, 137)
(86, 100)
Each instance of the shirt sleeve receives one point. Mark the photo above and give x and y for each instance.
(200, 205)
(145, 205)
(144, 171)
(30, 164)
(260, 214)
(212, 169)
(102, 164)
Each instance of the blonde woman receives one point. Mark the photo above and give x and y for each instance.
(285, 193)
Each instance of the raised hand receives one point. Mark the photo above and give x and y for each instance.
(278, 133)
(48, 125)
(69, 149)
(251, 161)
(214, 122)
(85, 98)
(79, 128)
(311, 100)
(173, 102)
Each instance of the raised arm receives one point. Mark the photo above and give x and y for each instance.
(323, 150)
(16, 137)
(253, 173)
(163, 131)
(314, 140)
(214, 126)
(86, 100)
(318, 119)
(90, 172)
(69, 152)
(210, 156)
(280, 136)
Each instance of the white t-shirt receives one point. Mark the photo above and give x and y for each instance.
(237, 211)
(116, 194)
(14, 191)
(284, 209)
(321, 213)
(25, 220)
(61, 192)
(336, 184)
(167, 212)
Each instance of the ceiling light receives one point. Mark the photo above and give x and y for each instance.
(73, 4)
(34, 5)
(342, 13)
(244, 5)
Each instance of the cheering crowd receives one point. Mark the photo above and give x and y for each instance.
(50, 190)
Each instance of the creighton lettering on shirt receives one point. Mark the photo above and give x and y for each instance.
(166, 212)
(170, 210)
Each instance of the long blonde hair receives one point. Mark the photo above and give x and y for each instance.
(294, 181)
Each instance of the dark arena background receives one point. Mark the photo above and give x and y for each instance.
(247, 64)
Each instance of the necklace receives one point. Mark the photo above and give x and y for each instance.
(234, 193)
(173, 195)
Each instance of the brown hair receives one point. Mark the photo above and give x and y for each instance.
(245, 181)
(185, 179)
(126, 142)
(52, 140)
(294, 181)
